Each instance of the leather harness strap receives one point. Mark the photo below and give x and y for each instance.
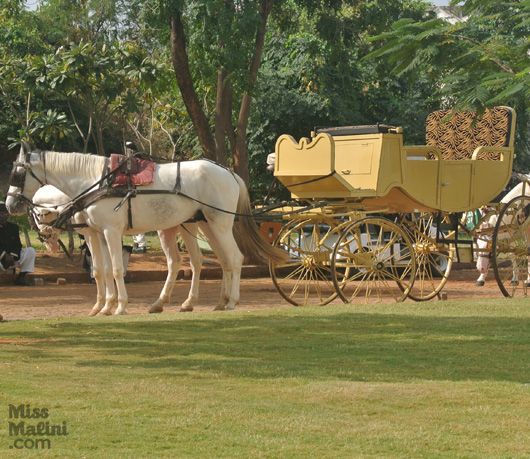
(178, 184)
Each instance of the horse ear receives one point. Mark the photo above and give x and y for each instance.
(25, 146)
(24, 150)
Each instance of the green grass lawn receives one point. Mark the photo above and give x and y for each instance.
(442, 379)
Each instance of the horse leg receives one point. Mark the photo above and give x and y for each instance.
(110, 291)
(481, 280)
(188, 233)
(114, 246)
(527, 281)
(231, 258)
(104, 299)
(483, 262)
(169, 246)
(221, 258)
(515, 270)
(98, 272)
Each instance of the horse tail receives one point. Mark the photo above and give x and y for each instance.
(246, 233)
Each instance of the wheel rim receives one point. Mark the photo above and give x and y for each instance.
(373, 262)
(510, 248)
(434, 260)
(306, 278)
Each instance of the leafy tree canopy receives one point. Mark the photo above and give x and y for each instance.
(480, 60)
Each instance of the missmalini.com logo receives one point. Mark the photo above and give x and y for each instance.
(30, 428)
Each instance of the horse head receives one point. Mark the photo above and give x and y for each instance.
(24, 180)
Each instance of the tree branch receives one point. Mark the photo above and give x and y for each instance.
(244, 111)
(241, 150)
(219, 117)
(141, 138)
(173, 143)
(480, 45)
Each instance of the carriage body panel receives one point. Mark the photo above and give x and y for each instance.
(379, 172)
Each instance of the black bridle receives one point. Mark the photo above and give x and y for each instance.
(19, 172)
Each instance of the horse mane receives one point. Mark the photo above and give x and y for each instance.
(75, 164)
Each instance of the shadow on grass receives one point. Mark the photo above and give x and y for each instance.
(341, 346)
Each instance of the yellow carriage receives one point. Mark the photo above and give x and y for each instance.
(381, 232)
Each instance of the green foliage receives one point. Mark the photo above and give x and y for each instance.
(479, 61)
(88, 74)
(19, 41)
(315, 76)
(50, 126)
(95, 82)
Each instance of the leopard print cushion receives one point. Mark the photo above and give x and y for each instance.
(457, 134)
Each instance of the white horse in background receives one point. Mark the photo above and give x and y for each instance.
(184, 190)
(483, 258)
(49, 202)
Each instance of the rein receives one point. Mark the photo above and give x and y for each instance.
(96, 191)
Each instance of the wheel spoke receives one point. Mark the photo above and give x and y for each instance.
(509, 254)
(381, 269)
(433, 259)
(306, 277)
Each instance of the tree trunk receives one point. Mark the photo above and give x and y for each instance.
(230, 132)
(241, 150)
(241, 154)
(220, 145)
(97, 134)
(71, 243)
(181, 66)
(26, 237)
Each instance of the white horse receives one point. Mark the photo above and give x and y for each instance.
(483, 259)
(184, 190)
(49, 202)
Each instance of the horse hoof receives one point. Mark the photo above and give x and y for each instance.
(230, 307)
(156, 309)
(94, 312)
(188, 304)
(186, 309)
(119, 312)
(219, 307)
(105, 312)
(479, 283)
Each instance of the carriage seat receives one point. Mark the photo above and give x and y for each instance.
(458, 135)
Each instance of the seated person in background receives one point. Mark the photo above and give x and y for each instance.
(11, 250)
(140, 245)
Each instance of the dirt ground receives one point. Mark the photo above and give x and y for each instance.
(77, 296)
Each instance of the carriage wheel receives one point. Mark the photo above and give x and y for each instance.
(510, 242)
(306, 278)
(374, 261)
(433, 259)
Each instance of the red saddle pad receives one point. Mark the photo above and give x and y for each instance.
(142, 171)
